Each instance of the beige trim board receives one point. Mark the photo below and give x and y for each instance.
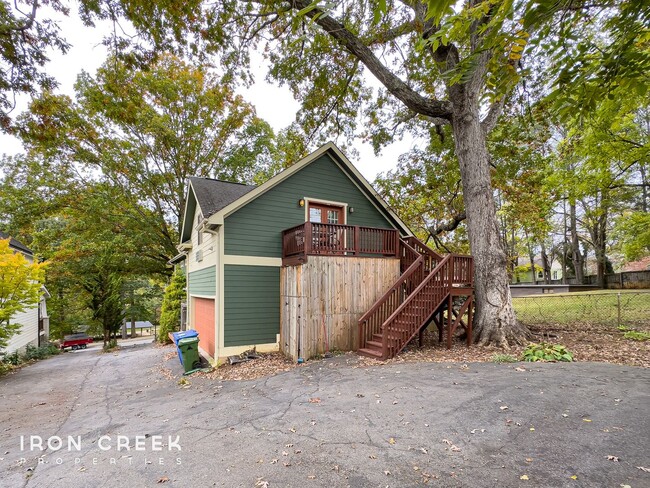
(192, 295)
(330, 203)
(236, 350)
(205, 355)
(251, 260)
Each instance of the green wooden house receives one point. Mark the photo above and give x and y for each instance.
(294, 263)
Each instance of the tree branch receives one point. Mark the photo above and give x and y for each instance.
(448, 226)
(395, 85)
(391, 34)
(490, 120)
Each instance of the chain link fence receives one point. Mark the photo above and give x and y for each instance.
(625, 308)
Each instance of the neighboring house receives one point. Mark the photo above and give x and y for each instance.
(642, 264)
(523, 273)
(35, 322)
(307, 252)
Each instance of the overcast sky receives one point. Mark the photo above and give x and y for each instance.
(274, 104)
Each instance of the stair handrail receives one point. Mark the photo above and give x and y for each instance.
(418, 244)
(409, 299)
(417, 264)
(407, 274)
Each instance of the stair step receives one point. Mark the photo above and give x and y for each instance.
(376, 344)
(371, 353)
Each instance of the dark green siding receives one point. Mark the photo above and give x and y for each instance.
(256, 229)
(203, 282)
(252, 304)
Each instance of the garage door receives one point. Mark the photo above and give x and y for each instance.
(204, 319)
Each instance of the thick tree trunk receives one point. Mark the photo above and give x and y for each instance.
(599, 238)
(576, 255)
(495, 321)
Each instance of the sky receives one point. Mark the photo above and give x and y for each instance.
(274, 104)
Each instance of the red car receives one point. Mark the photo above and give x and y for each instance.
(76, 341)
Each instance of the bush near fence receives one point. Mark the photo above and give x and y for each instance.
(615, 309)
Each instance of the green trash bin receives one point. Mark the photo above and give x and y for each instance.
(189, 348)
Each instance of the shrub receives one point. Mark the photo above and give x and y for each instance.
(546, 352)
(110, 345)
(503, 358)
(634, 335)
(170, 314)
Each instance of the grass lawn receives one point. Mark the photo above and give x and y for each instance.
(598, 307)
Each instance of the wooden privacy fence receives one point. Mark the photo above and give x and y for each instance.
(322, 300)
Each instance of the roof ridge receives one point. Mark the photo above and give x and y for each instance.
(219, 180)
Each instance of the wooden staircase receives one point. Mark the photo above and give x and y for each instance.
(424, 293)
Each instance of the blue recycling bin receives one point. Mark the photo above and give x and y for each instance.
(184, 334)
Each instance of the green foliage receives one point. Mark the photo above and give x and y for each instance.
(546, 352)
(632, 231)
(425, 191)
(634, 335)
(31, 353)
(110, 346)
(170, 317)
(42, 352)
(25, 39)
(503, 358)
(594, 51)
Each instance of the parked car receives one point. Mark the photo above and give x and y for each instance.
(76, 341)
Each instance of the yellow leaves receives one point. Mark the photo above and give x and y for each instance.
(518, 45)
(524, 477)
(20, 281)
(574, 477)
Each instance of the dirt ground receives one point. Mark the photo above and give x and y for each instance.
(592, 343)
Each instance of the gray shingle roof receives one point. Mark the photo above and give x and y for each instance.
(19, 246)
(213, 195)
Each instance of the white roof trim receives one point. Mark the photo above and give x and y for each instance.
(189, 188)
(219, 216)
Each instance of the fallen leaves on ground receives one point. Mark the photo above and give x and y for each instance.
(266, 365)
(587, 342)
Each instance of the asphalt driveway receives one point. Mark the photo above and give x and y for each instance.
(327, 423)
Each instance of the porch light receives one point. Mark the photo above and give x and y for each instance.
(351, 210)
(301, 202)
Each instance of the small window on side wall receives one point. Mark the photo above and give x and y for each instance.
(199, 234)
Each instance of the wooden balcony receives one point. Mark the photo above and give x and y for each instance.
(312, 239)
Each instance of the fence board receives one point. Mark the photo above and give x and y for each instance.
(323, 299)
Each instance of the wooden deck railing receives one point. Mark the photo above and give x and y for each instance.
(338, 240)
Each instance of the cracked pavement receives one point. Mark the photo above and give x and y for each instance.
(327, 423)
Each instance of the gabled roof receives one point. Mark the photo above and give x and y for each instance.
(15, 244)
(210, 196)
(343, 162)
(213, 195)
(218, 199)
